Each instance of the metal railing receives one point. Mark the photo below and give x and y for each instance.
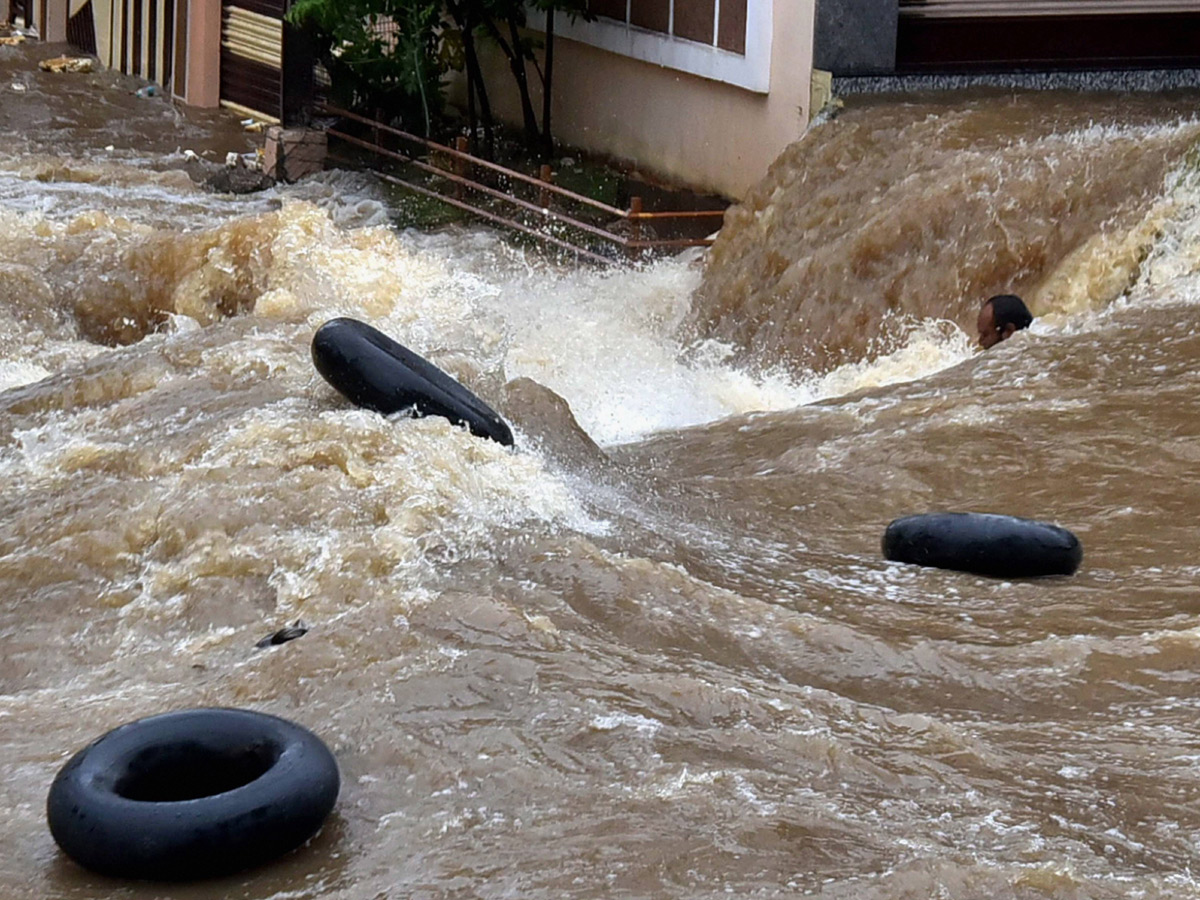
(450, 170)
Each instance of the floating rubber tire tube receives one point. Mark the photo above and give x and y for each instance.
(983, 544)
(192, 794)
(375, 372)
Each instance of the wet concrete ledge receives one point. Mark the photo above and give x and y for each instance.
(1089, 80)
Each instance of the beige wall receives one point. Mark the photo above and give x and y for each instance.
(55, 12)
(703, 133)
(56, 22)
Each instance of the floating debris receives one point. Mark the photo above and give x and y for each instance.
(68, 64)
(283, 635)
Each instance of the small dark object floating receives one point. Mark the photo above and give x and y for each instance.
(983, 544)
(375, 372)
(192, 794)
(283, 635)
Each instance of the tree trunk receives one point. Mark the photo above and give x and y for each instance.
(516, 62)
(475, 79)
(472, 116)
(547, 85)
(476, 88)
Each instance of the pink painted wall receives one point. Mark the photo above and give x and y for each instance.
(693, 130)
(204, 53)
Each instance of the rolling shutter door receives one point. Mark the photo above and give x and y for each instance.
(1006, 35)
(252, 58)
(992, 9)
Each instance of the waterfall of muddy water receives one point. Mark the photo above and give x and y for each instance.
(912, 209)
(652, 651)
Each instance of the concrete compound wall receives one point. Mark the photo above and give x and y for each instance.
(856, 37)
(692, 130)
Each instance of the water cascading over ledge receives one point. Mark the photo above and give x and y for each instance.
(909, 208)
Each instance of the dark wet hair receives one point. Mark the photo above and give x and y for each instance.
(1010, 309)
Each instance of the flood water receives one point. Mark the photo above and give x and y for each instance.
(652, 650)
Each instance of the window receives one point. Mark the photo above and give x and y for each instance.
(725, 40)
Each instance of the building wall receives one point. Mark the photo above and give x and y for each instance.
(49, 17)
(202, 68)
(693, 130)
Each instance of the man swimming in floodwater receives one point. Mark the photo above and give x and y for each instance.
(1000, 318)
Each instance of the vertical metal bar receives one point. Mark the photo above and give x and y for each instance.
(168, 75)
(635, 229)
(547, 175)
(125, 36)
(136, 61)
(152, 43)
(463, 145)
(181, 48)
(716, 41)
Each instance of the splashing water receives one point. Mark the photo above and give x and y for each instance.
(678, 668)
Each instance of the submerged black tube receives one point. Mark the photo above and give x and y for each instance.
(983, 544)
(377, 373)
(192, 794)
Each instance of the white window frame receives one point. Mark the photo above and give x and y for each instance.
(751, 70)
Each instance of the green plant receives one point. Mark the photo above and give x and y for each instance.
(381, 54)
(392, 55)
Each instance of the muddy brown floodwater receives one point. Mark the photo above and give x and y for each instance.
(652, 651)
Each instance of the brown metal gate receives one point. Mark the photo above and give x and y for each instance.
(252, 57)
(136, 37)
(81, 29)
(980, 35)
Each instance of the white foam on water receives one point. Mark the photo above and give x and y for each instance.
(16, 373)
(641, 725)
(611, 344)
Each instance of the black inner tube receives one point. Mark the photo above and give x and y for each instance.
(374, 371)
(189, 770)
(983, 544)
(192, 794)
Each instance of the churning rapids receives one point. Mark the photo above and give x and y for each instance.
(652, 651)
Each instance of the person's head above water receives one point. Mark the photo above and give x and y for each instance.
(1001, 317)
